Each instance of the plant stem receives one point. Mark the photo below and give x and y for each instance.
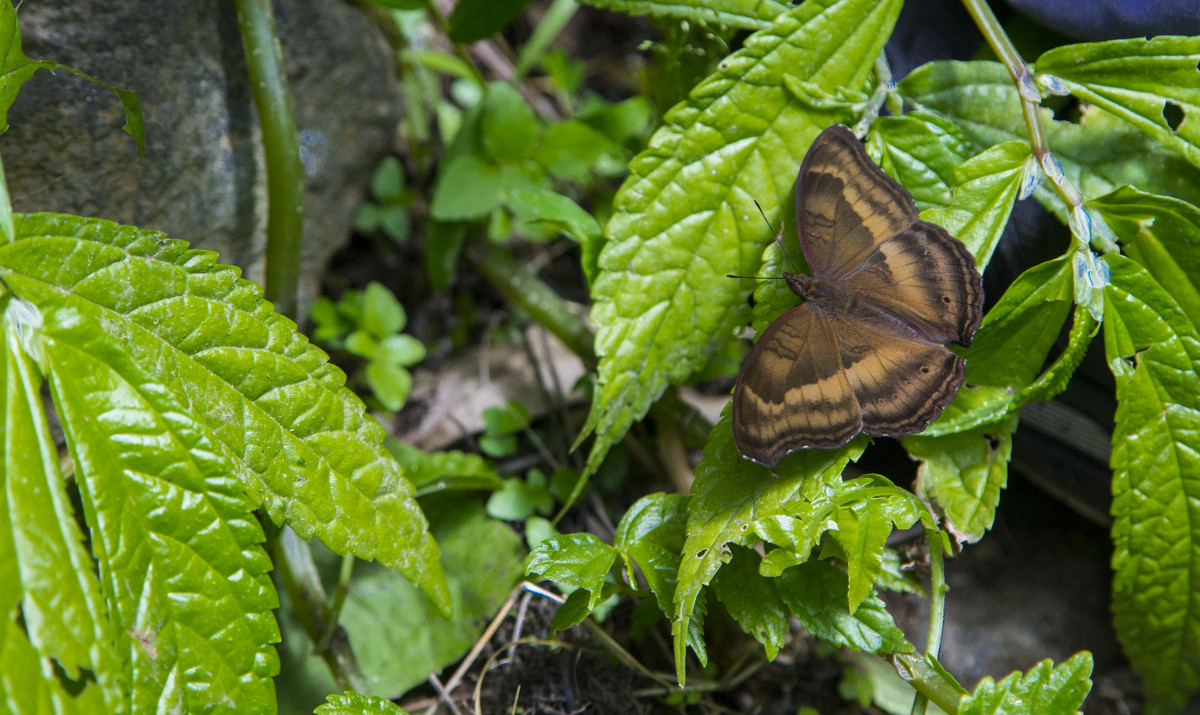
(998, 40)
(937, 606)
(281, 151)
(521, 286)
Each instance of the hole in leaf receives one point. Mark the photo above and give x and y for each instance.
(1174, 115)
(993, 441)
(700, 554)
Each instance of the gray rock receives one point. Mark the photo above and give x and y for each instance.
(202, 179)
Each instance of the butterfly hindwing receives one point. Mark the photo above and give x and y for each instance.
(846, 207)
(900, 381)
(792, 391)
(927, 279)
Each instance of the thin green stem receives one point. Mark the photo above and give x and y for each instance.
(281, 150)
(937, 607)
(998, 40)
(333, 611)
(440, 20)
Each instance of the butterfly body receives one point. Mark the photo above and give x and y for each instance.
(862, 353)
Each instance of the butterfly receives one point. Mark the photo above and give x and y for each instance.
(862, 353)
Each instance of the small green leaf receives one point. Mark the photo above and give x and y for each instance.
(395, 223)
(1044, 689)
(537, 530)
(517, 500)
(387, 183)
(1139, 80)
(577, 560)
(389, 382)
(964, 473)
(1153, 351)
(987, 187)
(572, 150)
(496, 446)
(382, 313)
(972, 406)
(863, 526)
(351, 703)
(752, 600)
(651, 535)
(467, 187)
(1017, 333)
(473, 20)
(362, 344)
(685, 217)
(553, 210)
(508, 129)
(815, 593)
(510, 419)
(921, 151)
(403, 350)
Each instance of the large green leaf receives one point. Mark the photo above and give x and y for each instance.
(752, 600)
(1153, 351)
(1162, 234)
(685, 217)
(52, 608)
(744, 14)
(815, 593)
(270, 403)
(729, 495)
(921, 151)
(986, 188)
(1143, 81)
(1097, 154)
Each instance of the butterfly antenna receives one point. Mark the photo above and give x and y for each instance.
(778, 238)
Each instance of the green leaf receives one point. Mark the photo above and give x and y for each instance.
(572, 150)
(508, 129)
(399, 636)
(300, 443)
(1017, 333)
(729, 495)
(1044, 689)
(351, 703)
(987, 187)
(651, 535)
(752, 600)
(1142, 81)
(815, 593)
(508, 419)
(389, 382)
(1153, 351)
(382, 314)
(387, 183)
(964, 473)
(438, 471)
(362, 344)
(473, 20)
(972, 406)
(403, 350)
(863, 526)
(742, 14)
(921, 151)
(443, 246)
(517, 500)
(1162, 234)
(50, 596)
(1097, 154)
(578, 560)
(395, 223)
(467, 188)
(553, 210)
(685, 216)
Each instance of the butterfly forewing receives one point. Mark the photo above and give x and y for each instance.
(927, 279)
(792, 391)
(845, 205)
